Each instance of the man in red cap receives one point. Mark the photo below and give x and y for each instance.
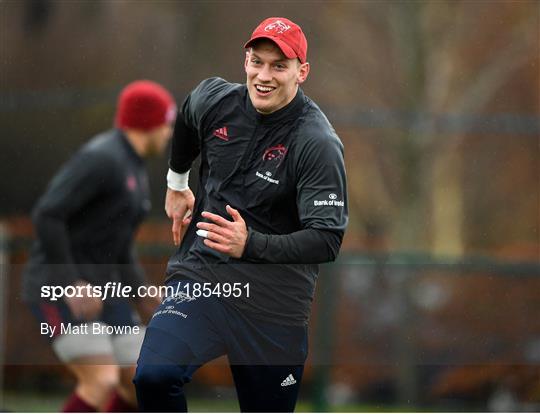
(85, 225)
(271, 205)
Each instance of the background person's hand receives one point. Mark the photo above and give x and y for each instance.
(84, 307)
(178, 206)
(225, 236)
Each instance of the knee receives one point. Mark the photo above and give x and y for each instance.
(107, 384)
(159, 388)
(148, 376)
(99, 379)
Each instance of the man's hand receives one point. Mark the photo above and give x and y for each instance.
(85, 307)
(178, 206)
(225, 236)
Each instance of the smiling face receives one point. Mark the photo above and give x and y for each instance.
(272, 79)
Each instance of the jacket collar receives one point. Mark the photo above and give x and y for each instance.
(292, 110)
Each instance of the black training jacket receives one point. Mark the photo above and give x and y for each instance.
(285, 174)
(86, 220)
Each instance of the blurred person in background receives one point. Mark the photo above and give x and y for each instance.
(271, 205)
(85, 225)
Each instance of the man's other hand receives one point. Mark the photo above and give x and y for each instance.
(178, 206)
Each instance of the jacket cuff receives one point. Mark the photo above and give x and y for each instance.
(255, 244)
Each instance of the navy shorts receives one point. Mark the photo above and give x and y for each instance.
(212, 327)
(266, 359)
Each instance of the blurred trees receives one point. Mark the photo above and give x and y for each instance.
(415, 89)
(425, 59)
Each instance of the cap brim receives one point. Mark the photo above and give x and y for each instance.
(284, 47)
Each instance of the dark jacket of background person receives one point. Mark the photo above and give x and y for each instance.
(86, 220)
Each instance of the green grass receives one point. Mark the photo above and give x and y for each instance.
(36, 402)
(31, 402)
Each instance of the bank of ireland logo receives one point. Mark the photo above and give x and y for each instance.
(277, 27)
(331, 201)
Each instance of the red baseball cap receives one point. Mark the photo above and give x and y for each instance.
(288, 36)
(144, 105)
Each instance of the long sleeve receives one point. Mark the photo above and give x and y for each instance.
(310, 246)
(185, 146)
(77, 182)
(188, 126)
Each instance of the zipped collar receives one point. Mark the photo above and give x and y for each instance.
(292, 110)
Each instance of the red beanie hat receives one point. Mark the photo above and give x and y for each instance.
(144, 105)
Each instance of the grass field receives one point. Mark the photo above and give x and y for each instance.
(35, 402)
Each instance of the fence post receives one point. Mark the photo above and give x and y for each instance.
(4, 263)
(328, 287)
(406, 336)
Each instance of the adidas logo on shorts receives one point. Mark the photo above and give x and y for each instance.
(288, 381)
